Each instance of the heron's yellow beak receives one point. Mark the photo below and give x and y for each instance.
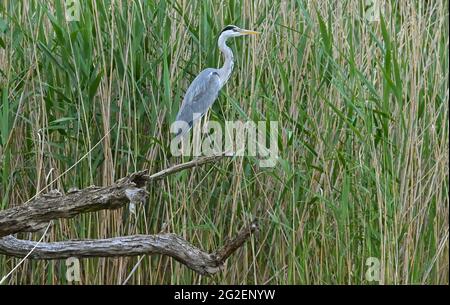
(248, 32)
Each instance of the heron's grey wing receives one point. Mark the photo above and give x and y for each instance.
(200, 95)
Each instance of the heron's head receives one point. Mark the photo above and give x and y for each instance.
(234, 31)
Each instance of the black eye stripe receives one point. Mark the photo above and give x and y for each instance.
(230, 27)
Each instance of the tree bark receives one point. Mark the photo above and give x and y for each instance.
(166, 244)
(37, 213)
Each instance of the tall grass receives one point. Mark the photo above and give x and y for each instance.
(362, 108)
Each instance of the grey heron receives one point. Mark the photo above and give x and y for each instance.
(205, 88)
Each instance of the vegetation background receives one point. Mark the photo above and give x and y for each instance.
(361, 101)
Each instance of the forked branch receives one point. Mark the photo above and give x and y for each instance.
(36, 214)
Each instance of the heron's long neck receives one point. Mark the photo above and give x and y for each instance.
(227, 67)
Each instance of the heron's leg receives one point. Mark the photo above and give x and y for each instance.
(205, 121)
(182, 147)
(204, 126)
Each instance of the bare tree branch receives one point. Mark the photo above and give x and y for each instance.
(165, 244)
(179, 167)
(36, 214)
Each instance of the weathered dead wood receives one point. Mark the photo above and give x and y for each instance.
(36, 214)
(165, 244)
